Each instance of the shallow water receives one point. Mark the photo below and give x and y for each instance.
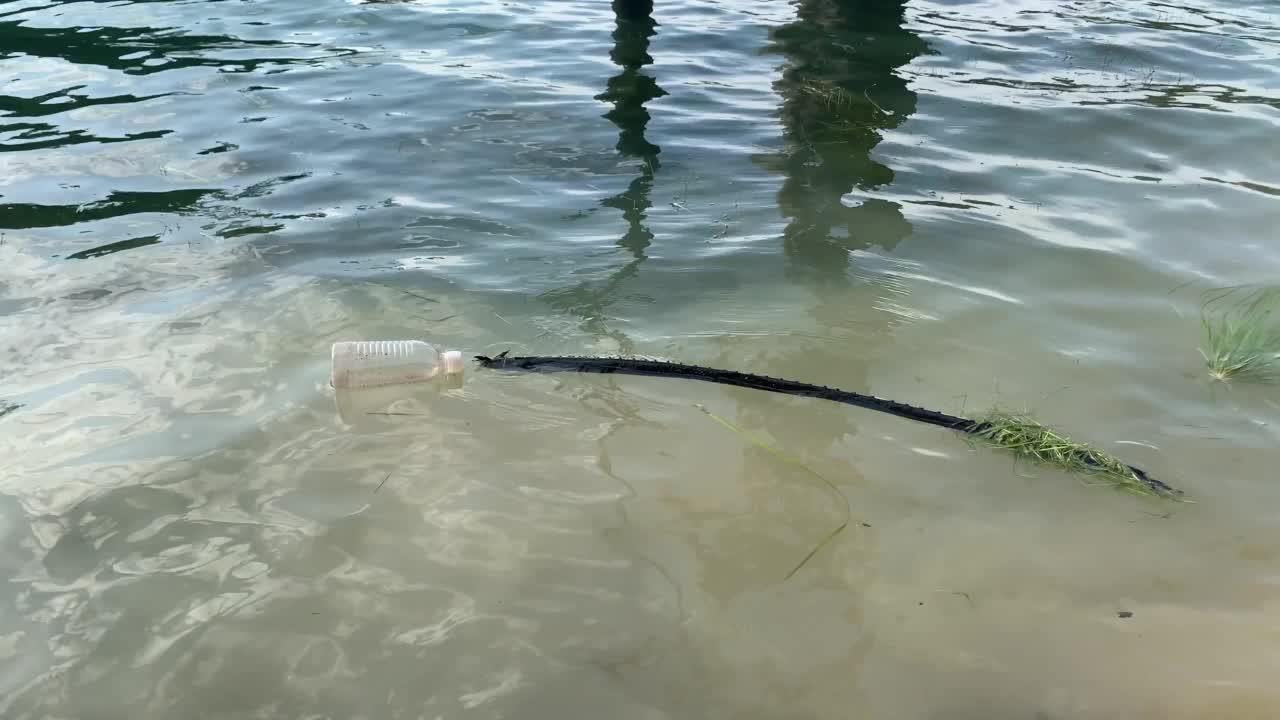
(956, 205)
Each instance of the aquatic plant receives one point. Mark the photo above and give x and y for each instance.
(789, 458)
(1017, 433)
(833, 96)
(1242, 335)
(1029, 439)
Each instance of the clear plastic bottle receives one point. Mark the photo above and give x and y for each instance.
(374, 363)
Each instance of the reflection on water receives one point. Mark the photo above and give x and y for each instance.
(142, 50)
(948, 204)
(628, 91)
(839, 92)
(21, 216)
(840, 89)
(133, 51)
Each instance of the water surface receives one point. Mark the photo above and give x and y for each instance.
(956, 205)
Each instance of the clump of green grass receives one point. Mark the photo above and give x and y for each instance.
(832, 96)
(1242, 334)
(1029, 439)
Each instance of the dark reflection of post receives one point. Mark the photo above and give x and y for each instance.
(839, 90)
(628, 91)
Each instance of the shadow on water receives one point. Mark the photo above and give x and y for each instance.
(628, 91)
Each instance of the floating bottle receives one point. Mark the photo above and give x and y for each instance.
(376, 363)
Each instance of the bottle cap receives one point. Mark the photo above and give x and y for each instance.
(343, 358)
(452, 362)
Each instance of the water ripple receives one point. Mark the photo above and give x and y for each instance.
(931, 201)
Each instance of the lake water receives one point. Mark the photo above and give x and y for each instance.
(1012, 203)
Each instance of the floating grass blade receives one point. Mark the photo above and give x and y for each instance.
(1029, 439)
(1242, 334)
(787, 457)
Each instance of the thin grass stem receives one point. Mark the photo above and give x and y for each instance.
(793, 460)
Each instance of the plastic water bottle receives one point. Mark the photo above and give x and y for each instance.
(374, 363)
